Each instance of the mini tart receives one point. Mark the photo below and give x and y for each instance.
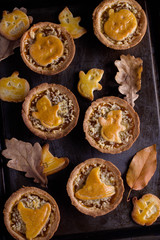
(31, 198)
(57, 119)
(108, 35)
(65, 115)
(109, 176)
(128, 127)
(43, 33)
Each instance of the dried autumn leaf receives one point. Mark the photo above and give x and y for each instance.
(129, 77)
(8, 46)
(142, 168)
(26, 158)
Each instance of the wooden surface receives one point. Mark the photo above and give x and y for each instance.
(90, 53)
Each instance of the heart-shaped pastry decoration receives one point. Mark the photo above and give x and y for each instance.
(35, 219)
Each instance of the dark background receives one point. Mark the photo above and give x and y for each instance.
(11, 124)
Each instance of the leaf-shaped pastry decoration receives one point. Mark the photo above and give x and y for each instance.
(26, 158)
(142, 168)
(129, 77)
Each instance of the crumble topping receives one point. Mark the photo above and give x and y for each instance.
(66, 109)
(118, 7)
(46, 31)
(30, 201)
(94, 126)
(106, 177)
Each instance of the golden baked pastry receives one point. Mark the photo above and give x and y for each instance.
(71, 24)
(146, 210)
(31, 213)
(89, 82)
(47, 48)
(50, 111)
(13, 88)
(14, 24)
(95, 187)
(119, 24)
(111, 125)
(50, 163)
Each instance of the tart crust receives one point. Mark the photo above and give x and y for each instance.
(141, 28)
(16, 197)
(55, 30)
(114, 200)
(54, 133)
(125, 106)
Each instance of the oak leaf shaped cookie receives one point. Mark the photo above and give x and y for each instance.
(142, 168)
(146, 210)
(26, 158)
(89, 82)
(71, 24)
(129, 77)
(13, 88)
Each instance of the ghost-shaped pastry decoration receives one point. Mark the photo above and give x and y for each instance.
(46, 113)
(89, 82)
(71, 24)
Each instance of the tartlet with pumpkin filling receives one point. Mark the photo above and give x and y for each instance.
(95, 187)
(119, 24)
(47, 48)
(31, 213)
(50, 111)
(111, 125)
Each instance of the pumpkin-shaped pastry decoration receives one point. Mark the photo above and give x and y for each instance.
(146, 210)
(119, 24)
(95, 187)
(13, 88)
(47, 48)
(31, 213)
(50, 111)
(111, 125)
(14, 24)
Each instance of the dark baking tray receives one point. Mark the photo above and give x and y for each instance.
(89, 53)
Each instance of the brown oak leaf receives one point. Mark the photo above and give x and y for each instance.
(129, 77)
(142, 168)
(26, 158)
